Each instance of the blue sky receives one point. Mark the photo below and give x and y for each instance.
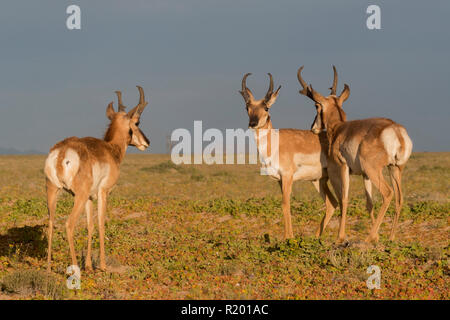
(190, 57)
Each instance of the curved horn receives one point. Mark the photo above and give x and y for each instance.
(245, 92)
(302, 82)
(244, 81)
(335, 80)
(140, 106)
(142, 102)
(305, 91)
(119, 100)
(141, 95)
(270, 91)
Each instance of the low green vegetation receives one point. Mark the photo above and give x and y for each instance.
(215, 232)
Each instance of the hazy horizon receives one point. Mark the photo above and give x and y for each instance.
(190, 58)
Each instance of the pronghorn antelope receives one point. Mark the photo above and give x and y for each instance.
(301, 155)
(360, 147)
(88, 168)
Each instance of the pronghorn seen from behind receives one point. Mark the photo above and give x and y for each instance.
(88, 168)
(360, 147)
(367, 183)
(301, 155)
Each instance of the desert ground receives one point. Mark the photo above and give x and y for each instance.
(216, 232)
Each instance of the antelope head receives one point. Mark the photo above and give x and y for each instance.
(258, 110)
(329, 109)
(128, 123)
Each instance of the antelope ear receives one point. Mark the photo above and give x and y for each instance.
(133, 112)
(247, 95)
(273, 98)
(110, 111)
(344, 95)
(136, 116)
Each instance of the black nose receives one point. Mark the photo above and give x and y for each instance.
(252, 124)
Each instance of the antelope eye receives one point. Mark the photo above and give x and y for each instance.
(266, 108)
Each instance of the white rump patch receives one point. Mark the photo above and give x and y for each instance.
(50, 168)
(408, 147)
(70, 164)
(391, 144)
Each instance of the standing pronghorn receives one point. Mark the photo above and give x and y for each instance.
(88, 168)
(360, 147)
(301, 154)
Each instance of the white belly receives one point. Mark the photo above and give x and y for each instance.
(50, 168)
(309, 166)
(308, 173)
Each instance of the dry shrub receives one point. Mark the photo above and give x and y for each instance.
(33, 282)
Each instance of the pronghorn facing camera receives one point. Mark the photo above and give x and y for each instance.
(360, 147)
(301, 154)
(88, 168)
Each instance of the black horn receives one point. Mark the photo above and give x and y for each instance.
(119, 100)
(305, 91)
(270, 91)
(335, 80)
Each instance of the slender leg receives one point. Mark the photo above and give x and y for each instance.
(396, 178)
(345, 182)
(369, 198)
(52, 195)
(101, 226)
(335, 179)
(330, 203)
(80, 202)
(376, 176)
(339, 177)
(286, 189)
(90, 226)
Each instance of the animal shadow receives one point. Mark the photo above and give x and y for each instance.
(24, 241)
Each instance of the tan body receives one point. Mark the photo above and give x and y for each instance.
(301, 155)
(365, 147)
(75, 163)
(361, 147)
(356, 142)
(88, 168)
